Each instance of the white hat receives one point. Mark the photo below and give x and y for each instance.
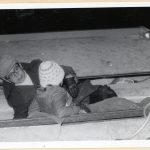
(50, 73)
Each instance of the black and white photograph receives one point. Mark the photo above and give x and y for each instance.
(74, 74)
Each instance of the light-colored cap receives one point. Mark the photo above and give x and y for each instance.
(50, 73)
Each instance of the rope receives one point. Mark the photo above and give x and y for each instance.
(143, 125)
(60, 123)
(59, 132)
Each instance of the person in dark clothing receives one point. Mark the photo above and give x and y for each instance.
(20, 81)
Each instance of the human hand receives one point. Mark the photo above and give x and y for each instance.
(71, 85)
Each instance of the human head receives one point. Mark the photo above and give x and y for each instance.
(11, 70)
(50, 73)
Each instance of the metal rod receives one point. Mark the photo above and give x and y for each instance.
(106, 76)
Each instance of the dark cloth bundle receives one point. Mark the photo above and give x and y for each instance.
(102, 92)
(89, 94)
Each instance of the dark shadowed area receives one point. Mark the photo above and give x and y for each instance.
(45, 20)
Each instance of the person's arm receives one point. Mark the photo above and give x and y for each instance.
(59, 99)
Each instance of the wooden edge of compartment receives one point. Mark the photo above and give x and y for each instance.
(74, 119)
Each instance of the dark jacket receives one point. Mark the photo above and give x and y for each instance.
(20, 97)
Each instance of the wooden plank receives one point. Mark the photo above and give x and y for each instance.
(74, 119)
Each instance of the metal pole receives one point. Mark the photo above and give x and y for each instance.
(106, 76)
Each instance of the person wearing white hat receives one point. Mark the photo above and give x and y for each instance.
(20, 80)
(52, 98)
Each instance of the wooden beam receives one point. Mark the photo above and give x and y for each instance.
(74, 119)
